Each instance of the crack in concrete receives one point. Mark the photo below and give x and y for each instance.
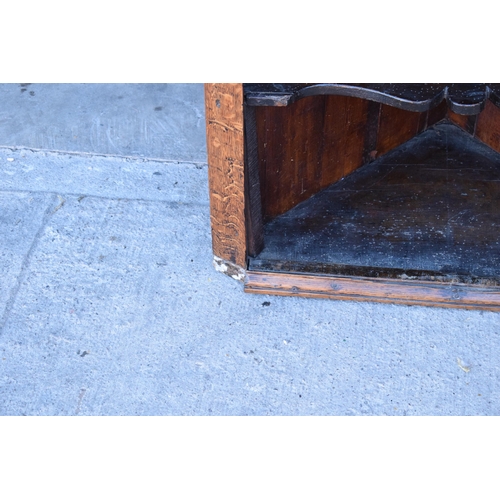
(107, 198)
(49, 211)
(80, 398)
(199, 164)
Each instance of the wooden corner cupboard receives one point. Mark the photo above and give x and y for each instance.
(381, 192)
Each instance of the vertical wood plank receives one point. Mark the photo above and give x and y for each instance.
(396, 127)
(253, 205)
(488, 126)
(371, 132)
(465, 122)
(437, 114)
(345, 131)
(290, 148)
(225, 148)
(460, 120)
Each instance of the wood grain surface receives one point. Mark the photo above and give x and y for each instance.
(225, 148)
(372, 289)
(305, 147)
(318, 140)
(488, 126)
(397, 126)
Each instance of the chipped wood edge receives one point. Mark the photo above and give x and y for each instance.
(229, 269)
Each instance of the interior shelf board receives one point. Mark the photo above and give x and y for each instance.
(428, 210)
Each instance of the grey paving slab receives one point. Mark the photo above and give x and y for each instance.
(148, 120)
(22, 216)
(110, 177)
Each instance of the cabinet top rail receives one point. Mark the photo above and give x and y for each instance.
(462, 98)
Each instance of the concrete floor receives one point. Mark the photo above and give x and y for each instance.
(164, 121)
(109, 304)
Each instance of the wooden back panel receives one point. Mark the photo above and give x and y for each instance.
(308, 145)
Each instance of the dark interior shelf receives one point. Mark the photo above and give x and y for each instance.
(464, 99)
(427, 210)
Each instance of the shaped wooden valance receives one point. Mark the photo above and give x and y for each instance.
(462, 98)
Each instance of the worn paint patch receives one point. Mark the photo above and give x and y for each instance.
(228, 268)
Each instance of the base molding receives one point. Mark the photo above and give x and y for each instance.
(423, 293)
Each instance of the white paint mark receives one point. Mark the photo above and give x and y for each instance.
(62, 201)
(463, 367)
(55, 337)
(229, 269)
(10, 159)
(257, 388)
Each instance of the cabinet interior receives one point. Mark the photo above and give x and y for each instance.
(352, 187)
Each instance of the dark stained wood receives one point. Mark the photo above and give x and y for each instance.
(253, 204)
(460, 120)
(488, 126)
(318, 140)
(305, 147)
(429, 209)
(466, 122)
(436, 114)
(225, 148)
(396, 127)
(372, 289)
(471, 124)
(290, 146)
(345, 123)
(371, 132)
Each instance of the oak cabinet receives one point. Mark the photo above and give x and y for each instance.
(383, 192)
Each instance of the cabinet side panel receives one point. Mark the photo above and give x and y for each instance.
(225, 148)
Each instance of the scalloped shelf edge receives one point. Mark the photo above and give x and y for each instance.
(463, 99)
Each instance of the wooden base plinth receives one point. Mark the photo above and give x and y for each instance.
(375, 290)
